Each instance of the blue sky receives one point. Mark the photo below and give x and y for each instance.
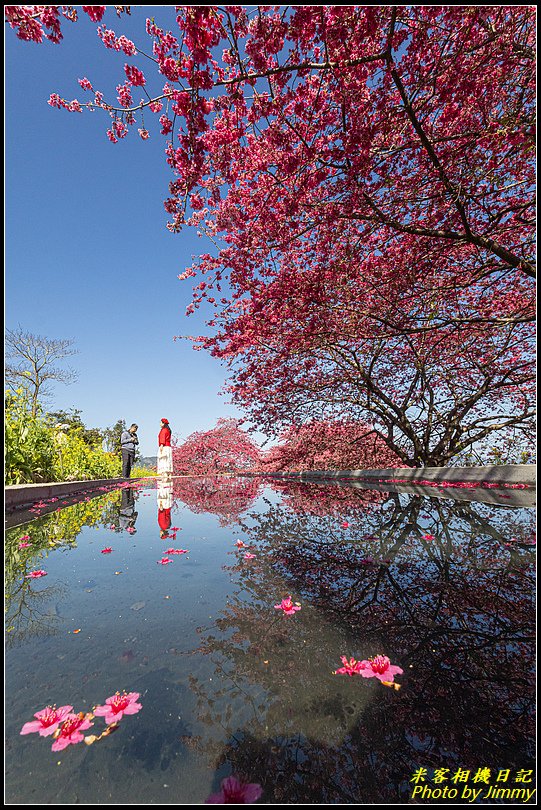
(88, 256)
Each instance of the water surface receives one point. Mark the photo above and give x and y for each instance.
(230, 685)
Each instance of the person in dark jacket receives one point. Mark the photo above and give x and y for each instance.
(128, 444)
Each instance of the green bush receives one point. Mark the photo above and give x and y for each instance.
(29, 448)
(37, 451)
(76, 460)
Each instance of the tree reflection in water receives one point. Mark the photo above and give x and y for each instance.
(222, 495)
(31, 609)
(444, 589)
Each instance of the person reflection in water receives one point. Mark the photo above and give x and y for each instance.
(127, 514)
(165, 503)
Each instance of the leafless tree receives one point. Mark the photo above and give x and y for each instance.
(31, 363)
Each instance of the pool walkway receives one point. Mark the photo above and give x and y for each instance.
(20, 498)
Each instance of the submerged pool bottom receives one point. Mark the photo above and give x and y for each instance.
(176, 594)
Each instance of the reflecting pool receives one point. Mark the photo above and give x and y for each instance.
(229, 684)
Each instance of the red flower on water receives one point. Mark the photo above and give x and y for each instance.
(177, 551)
(47, 720)
(117, 706)
(106, 550)
(351, 666)
(164, 561)
(69, 732)
(240, 544)
(234, 791)
(36, 574)
(381, 668)
(287, 606)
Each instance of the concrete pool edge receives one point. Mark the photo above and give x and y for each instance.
(492, 473)
(17, 496)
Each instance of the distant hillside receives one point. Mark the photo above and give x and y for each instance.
(148, 461)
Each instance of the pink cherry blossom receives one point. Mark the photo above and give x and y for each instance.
(36, 574)
(134, 75)
(249, 556)
(235, 791)
(131, 530)
(117, 706)
(287, 606)
(69, 732)
(240, 544)
(47, 720)
(351, 666)
(380, 667)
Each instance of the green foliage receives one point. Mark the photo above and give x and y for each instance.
(29, 447)
(143, 472)
(112, 436)
(76, 460)
(37, 450)
(72, 420)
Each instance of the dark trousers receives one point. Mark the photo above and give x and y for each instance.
(127, 461)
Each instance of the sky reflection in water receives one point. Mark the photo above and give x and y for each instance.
(229, 684)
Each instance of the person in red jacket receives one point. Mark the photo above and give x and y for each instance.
(165, 452)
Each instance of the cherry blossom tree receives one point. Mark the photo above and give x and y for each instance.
(366, 175)
(225, 448)
(327, 446)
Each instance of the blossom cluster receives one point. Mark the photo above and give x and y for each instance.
(66, 726)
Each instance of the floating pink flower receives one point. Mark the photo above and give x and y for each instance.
(380, 667)
(240, 544)
(131, 530)
(106, 550)
(36, 574)
(164, 561)
(234, 791)
(174, 529)
(69, 732)
(117, 706)
(287, 606)
(47, 720)
(249, 556)
(24, 545)
(177, 551)
(351, 666)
